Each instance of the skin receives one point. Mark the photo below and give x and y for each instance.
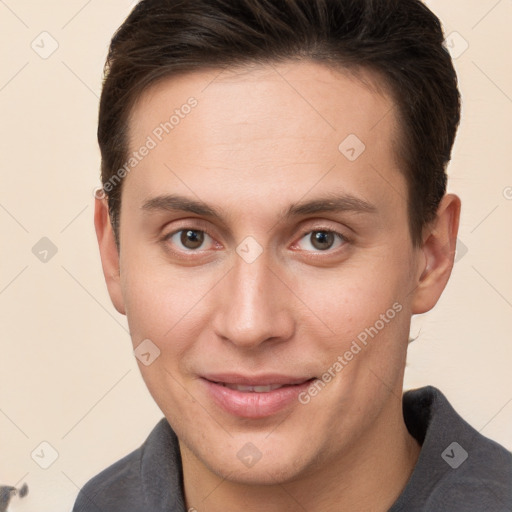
(260, 140)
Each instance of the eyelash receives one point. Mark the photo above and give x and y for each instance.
(318, 253)
(343, 238)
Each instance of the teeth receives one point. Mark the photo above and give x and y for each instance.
(253, 389)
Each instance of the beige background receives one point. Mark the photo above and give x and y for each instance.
(67, 373)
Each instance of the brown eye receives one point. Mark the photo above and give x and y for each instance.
(191, 238)
(322, 240)
(190, 243)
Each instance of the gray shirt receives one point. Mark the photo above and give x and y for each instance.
(458, 470)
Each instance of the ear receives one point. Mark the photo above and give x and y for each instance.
(438, 248)
(109, 253)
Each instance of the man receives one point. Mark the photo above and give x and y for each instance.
(273, 212)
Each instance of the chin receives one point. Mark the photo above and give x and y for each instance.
(271, 472)
(276, 463)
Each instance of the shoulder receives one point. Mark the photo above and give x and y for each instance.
(121, 486)
(478, 476)
(459, 469)
(117, 486)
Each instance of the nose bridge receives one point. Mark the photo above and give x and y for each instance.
(253, 308)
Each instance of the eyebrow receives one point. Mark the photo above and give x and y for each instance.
(330, 203)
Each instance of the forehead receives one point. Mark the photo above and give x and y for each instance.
(332, 99)
(261, 128)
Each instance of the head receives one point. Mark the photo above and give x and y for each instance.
(275, 208)
(400, 42)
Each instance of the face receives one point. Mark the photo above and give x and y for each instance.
(265, 253)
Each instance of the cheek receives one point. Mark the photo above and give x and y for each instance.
(149, 307)
(164, 309)
(151, 297)
(164, 304)
(366, 309)
(353, 297)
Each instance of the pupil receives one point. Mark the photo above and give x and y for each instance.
(322, 239)
(192, 239)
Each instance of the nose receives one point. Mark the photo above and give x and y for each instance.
(253, 306)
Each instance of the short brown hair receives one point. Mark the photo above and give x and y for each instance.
(401, 40)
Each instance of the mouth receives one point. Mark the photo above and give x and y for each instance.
(259, 389)
(251, 389)
(255, 397)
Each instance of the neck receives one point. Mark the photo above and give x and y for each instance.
(370, 476)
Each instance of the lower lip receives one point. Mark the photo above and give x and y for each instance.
(251, 404)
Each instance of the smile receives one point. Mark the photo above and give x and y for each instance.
(251, 389)
(254, 398)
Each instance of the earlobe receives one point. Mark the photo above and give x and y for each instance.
(109, 253)
(438, 248)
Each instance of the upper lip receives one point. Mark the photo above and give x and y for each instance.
(255, 380)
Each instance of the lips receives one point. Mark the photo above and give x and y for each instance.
(251, 389)
(269, 379)
(254, 397)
